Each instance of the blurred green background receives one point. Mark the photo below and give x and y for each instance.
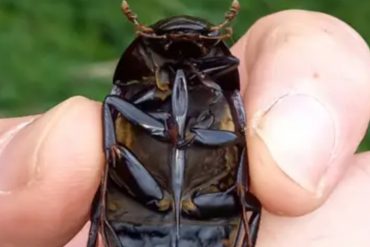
(52, 50)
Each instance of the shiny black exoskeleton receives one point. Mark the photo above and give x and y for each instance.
(176, 173)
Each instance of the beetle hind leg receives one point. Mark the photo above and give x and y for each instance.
(98, 205)
(97, 211)
(95, 221)
(249, 203)
(254, 220)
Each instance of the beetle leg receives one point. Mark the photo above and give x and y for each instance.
(151, 95)
(98, 209)
(248, 202)
(211, 137)
(206, 80)
(211, 204)
(145, 96)
(163, 116)
(199, 132)
(110, 237)
(254, 220)
(239, 110)
(146, 188)
(134, 115)
(98, 206)
(216, 66)
(95, 220)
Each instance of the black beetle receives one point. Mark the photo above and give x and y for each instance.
(174, 140)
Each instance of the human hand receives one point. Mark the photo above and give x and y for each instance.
(307, 88)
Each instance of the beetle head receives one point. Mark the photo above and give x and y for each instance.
(182, 36)
(191, 34)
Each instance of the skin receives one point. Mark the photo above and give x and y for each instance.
(307, 88)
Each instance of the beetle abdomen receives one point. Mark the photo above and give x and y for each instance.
(132, 224)
(160, 235)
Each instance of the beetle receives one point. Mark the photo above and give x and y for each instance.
(174, 140)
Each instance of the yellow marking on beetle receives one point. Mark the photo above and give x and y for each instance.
(163, 94)
(230, 163)
(164, 204)
(161, 85)
(230, 158)
(124, 132)
(188, 206)
(112, 206)
(227, 122)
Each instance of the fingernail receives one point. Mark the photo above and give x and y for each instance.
(300, 136)
(13, 169)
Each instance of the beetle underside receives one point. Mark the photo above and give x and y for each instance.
(174, 140)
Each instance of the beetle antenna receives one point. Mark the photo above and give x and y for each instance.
(132, 17)
(229, 16)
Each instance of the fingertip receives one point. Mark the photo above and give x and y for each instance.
(277, 192)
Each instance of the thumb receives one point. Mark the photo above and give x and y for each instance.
(307, 97)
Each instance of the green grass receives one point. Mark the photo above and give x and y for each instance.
(44, 44)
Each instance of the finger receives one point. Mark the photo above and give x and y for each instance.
(50, 169)
(307, 94)
(343, 220)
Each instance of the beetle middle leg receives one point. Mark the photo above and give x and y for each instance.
(134, 115)
(198, 130)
